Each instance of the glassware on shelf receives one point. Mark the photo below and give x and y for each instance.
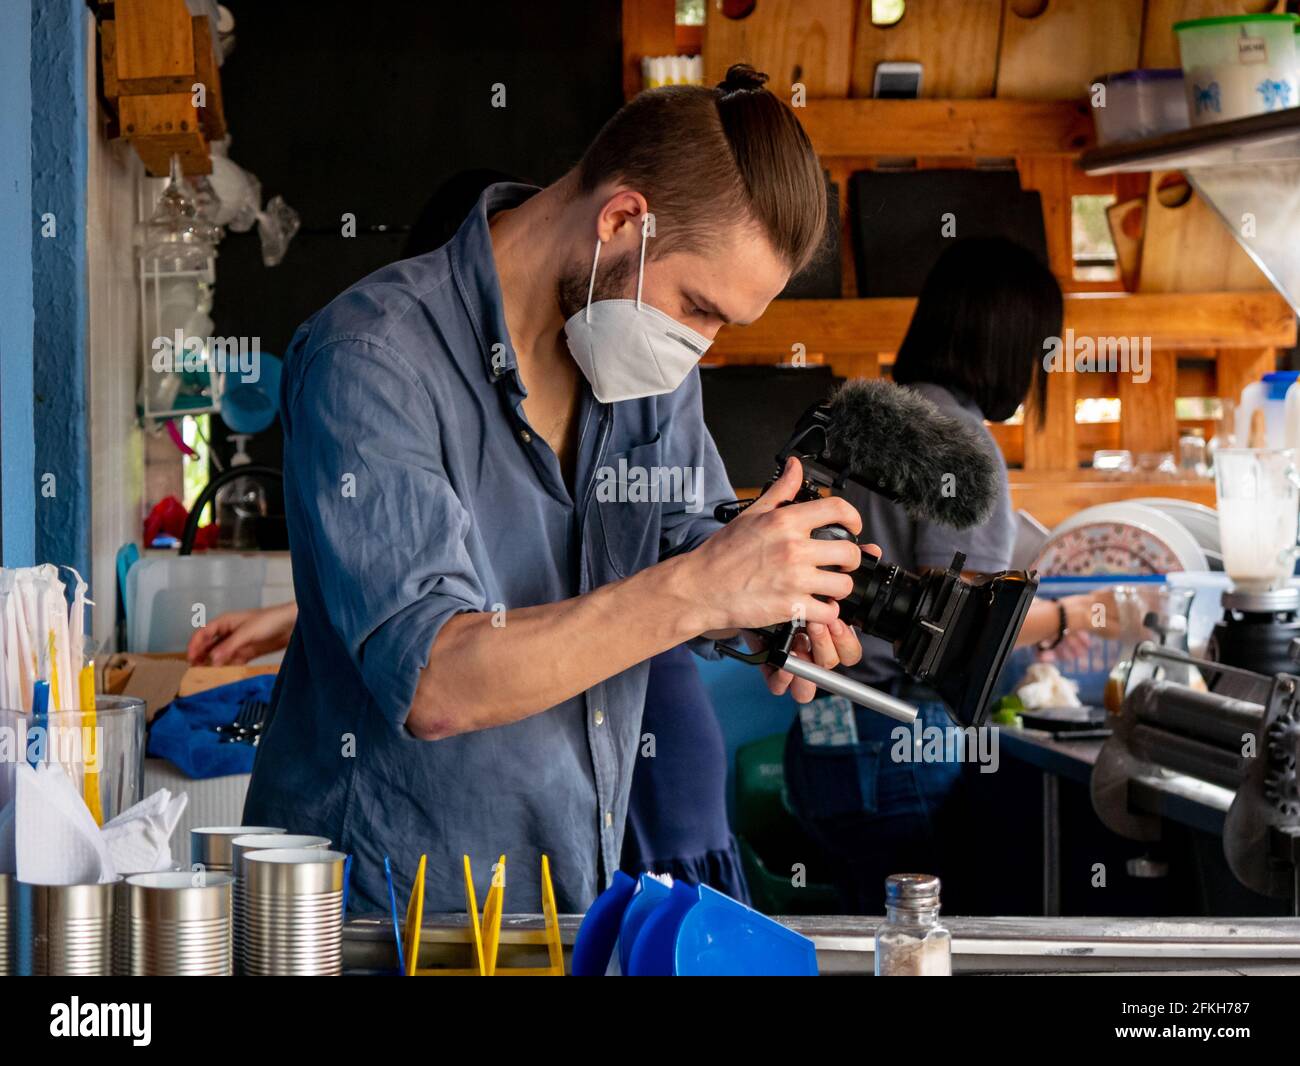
(1116, 463)
(177, 250)
(1192, 455)
(1156, 466)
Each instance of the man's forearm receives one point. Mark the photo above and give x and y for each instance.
(481, 675)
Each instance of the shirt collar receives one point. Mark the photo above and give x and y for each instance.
(475, 270)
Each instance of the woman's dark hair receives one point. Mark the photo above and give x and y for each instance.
(985, 310)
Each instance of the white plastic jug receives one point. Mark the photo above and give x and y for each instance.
(1271, 396)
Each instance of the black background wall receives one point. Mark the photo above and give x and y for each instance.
(368, 108)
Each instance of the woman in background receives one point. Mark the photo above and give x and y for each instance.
(974, 348)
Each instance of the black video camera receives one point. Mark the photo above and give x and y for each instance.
(949, 632)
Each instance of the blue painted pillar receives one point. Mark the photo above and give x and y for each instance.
(17, 485)
(58, 159)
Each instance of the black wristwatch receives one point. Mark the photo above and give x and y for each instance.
(1063, 628)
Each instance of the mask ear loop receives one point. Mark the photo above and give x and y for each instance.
(591, 286)
(640, 273)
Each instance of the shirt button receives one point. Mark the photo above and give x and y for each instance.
(525, 436)
(600, 717)
(609, 819)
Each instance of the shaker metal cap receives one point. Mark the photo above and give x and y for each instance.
(913, 889)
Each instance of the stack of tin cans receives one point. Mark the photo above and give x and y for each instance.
(180, 924)
(240, 848)
(210, 845)
(68, 930)
(293, 912)
(6, 923)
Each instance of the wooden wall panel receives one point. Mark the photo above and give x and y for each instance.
(154, 39)
(1235, 368)
(806, 41)
(1057, 54)
(1054, 445)
(649, 29)
(1147, 419)
(1050, 178)
(955, 41)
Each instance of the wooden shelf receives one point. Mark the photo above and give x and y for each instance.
(1173, 321)
(988, 128)
(1053, 496)
(1264, 138)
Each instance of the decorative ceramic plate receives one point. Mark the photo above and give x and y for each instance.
(1107, 548)
(1163, 528)
(1200, 521)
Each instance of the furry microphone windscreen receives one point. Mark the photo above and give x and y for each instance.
(892, 439)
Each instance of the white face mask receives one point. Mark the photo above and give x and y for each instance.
(628, 349)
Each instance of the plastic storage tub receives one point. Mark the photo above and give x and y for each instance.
(163, 591)
(1141, 103)
(1238, 65)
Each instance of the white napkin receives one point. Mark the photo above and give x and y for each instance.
(139, 839)
(57, 842)
(56, 839)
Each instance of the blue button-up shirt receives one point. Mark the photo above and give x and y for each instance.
(415, 489)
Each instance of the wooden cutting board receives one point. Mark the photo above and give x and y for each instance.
(1160, 43)
(1189, 249)
(202, 678)
(1057, 54)
(805, 41)
(955, 41)
(1125, 220)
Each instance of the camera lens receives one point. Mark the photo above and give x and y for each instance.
(884, 599)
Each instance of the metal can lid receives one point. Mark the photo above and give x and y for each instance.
(912, 889)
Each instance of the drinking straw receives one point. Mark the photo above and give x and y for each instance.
(90, 783)
(392, 905)
(40, 712)
(54, 671)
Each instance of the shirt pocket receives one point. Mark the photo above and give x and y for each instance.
(629, 491)
(830, 781)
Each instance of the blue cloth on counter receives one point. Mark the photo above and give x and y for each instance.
(415, 490)
(184, 732)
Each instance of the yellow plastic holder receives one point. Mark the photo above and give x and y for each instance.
(485, 935)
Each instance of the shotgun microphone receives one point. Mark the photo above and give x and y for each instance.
(949, 631)
(893, 441)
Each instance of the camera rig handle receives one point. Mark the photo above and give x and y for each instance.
(778, 654)
(780, 639)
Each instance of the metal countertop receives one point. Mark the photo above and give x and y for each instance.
(845, 945)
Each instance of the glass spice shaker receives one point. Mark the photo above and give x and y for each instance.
(911, 942)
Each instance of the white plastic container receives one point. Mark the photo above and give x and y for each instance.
(1271, 394)
(1238, 65)
(163, 593)
(1141, 103)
